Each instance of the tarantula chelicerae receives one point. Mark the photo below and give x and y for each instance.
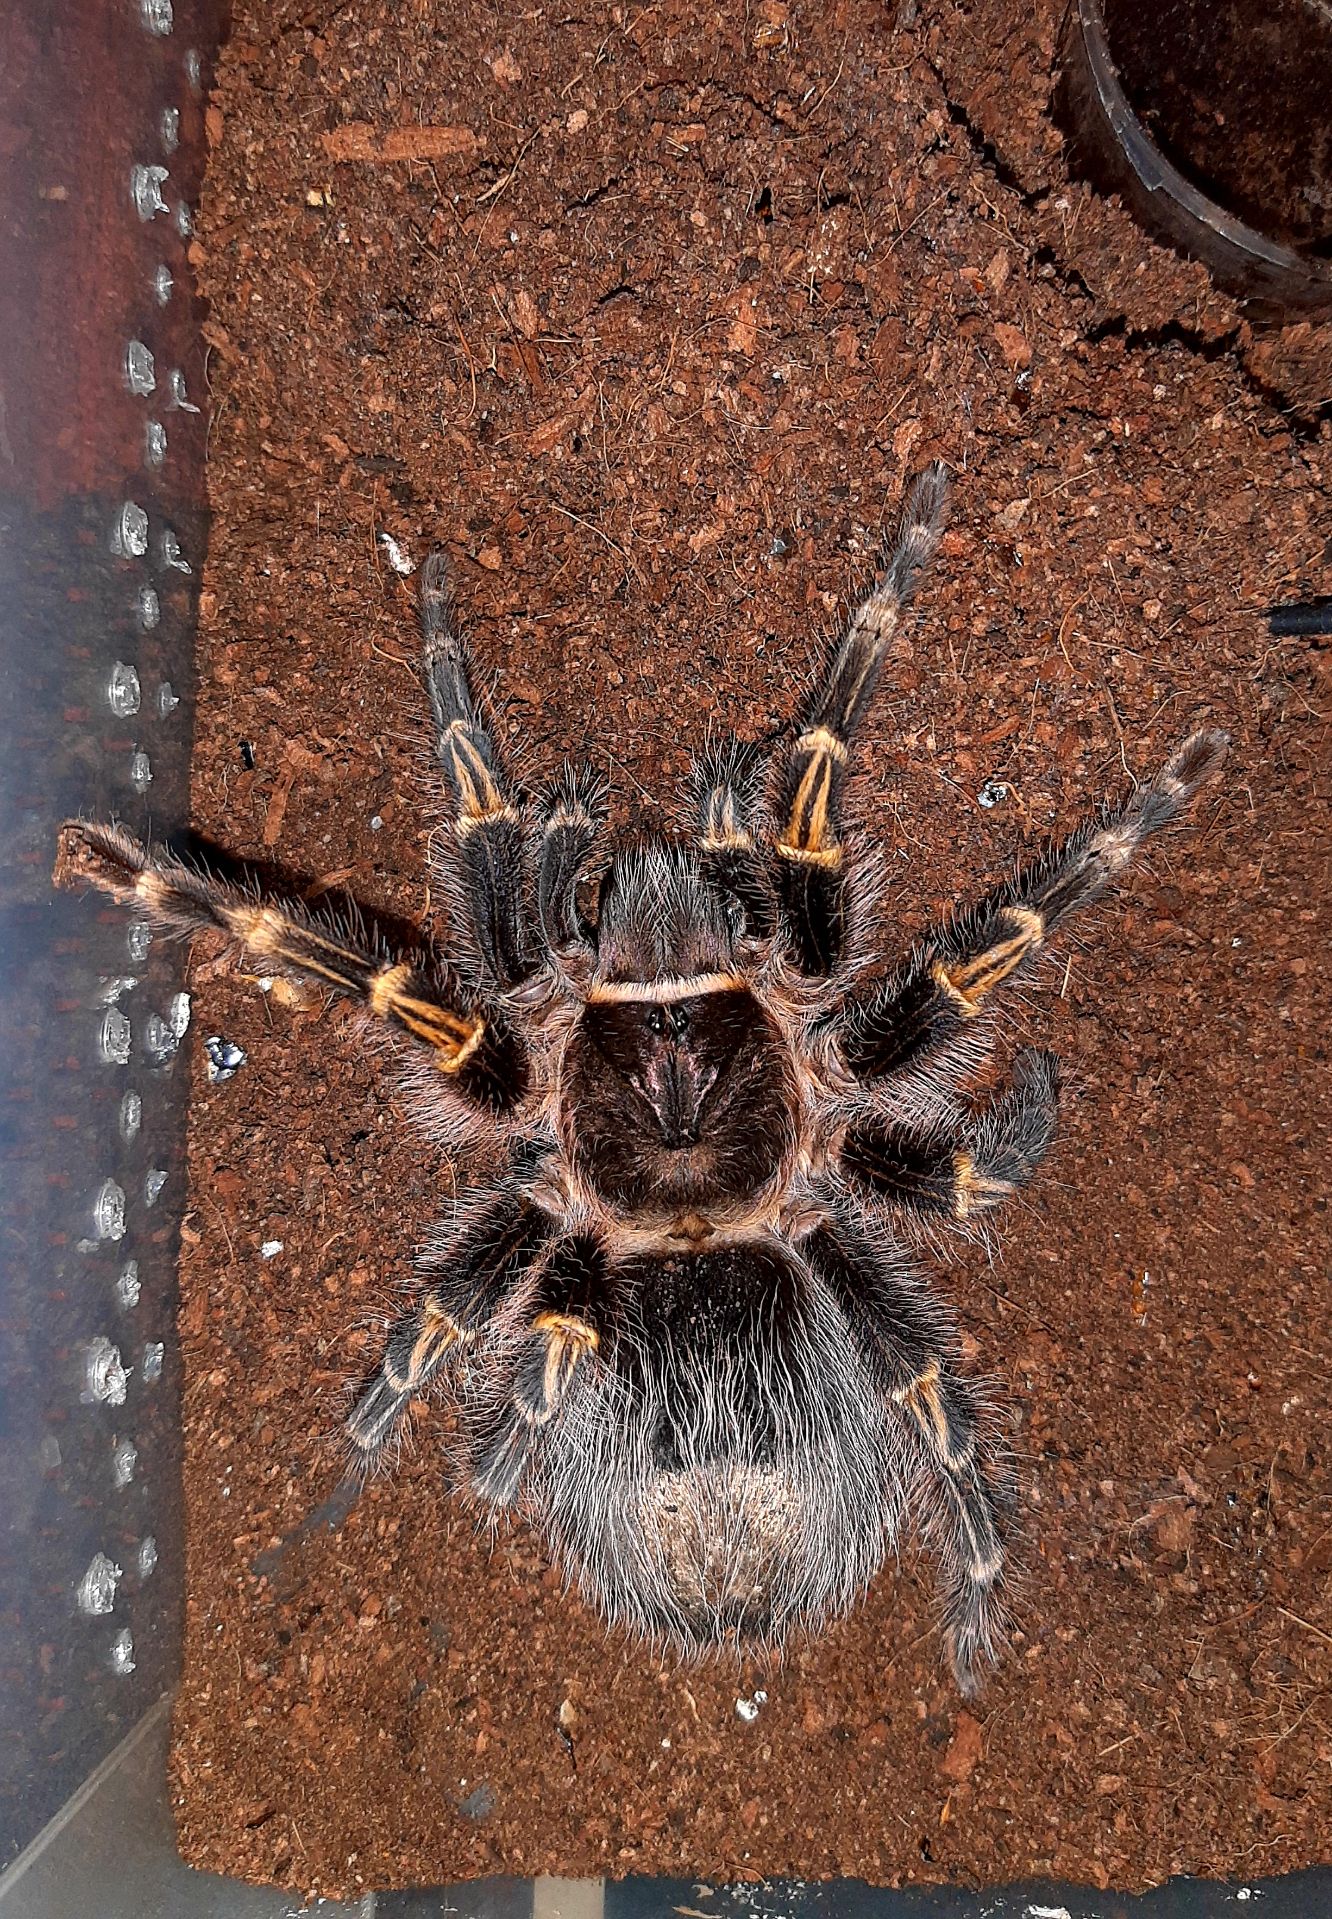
(681, 1324)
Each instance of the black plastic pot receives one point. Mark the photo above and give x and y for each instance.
(1213, 124)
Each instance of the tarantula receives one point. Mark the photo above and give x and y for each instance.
(680, 1319)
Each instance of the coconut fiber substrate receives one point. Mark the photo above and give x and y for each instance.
(646, 315)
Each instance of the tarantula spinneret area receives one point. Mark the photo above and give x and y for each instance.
(686, 1332)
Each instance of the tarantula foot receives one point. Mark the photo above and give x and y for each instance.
(107, 857)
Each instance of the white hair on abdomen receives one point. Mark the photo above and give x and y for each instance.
(745, 1532)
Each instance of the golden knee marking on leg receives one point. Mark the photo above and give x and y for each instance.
(257, 927)
(723, 830)
(967, 982)
(147, 886)
(829, 856)
(868, 623)
(479, 797)
(386, 986)
(569, 1327)
(433, 1342)
(807, 836)
(271, 934)
(1115, 847)
(974, 1191)
(821, 740)
(568, 1341)
(568, 813)
(454, 1038)
(920, 1397)
(467, 823)
(455, 1061)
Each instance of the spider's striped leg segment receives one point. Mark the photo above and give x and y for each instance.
(569, 1319)
(961, 1488)
(572, 813)
(420, 1002)
(487, 823)
(727, 782)
(812, 772)
(960, 1171)
(951, 978)
(477, 1272)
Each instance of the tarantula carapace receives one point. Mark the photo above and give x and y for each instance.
(681, 1325)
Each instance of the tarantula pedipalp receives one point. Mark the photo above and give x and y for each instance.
(684, 1331)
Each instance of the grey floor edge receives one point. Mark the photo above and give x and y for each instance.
(111, 1854)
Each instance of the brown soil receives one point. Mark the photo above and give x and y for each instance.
(649, 333)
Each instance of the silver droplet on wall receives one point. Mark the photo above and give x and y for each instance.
(167, 699)
(122, 691)
(159, 1040)
(178, 1014)
(128, 1286)
(146, 1557)
(184, 221)
(171, 553)
(163, 283)
(150, 608)
(140, 369)
(104, 1376)
(154, 443)
(157, 16)
(114, 1038)
(129, 535)
(176, 387)
(153, 1183)
(131, 1117)
(140, 771)
(138, 939)
(97, 1588)
(194, 70)
(124, 1458)
(122, 1653)
(108, 1211)
(114, 987)
(168, 127)
(146, 185)
(153, 1355)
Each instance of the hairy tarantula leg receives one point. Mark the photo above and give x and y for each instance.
(911, 1348)
(727, 782)
(418, 1345)
(812, 772)
(487, 824)
(481, 1267)
(569, 1318)
(572, 813)
(432, 1013)
(949, 979)
(961, 1172)
(963, 1533)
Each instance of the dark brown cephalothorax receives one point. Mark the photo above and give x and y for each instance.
(685, 1332)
